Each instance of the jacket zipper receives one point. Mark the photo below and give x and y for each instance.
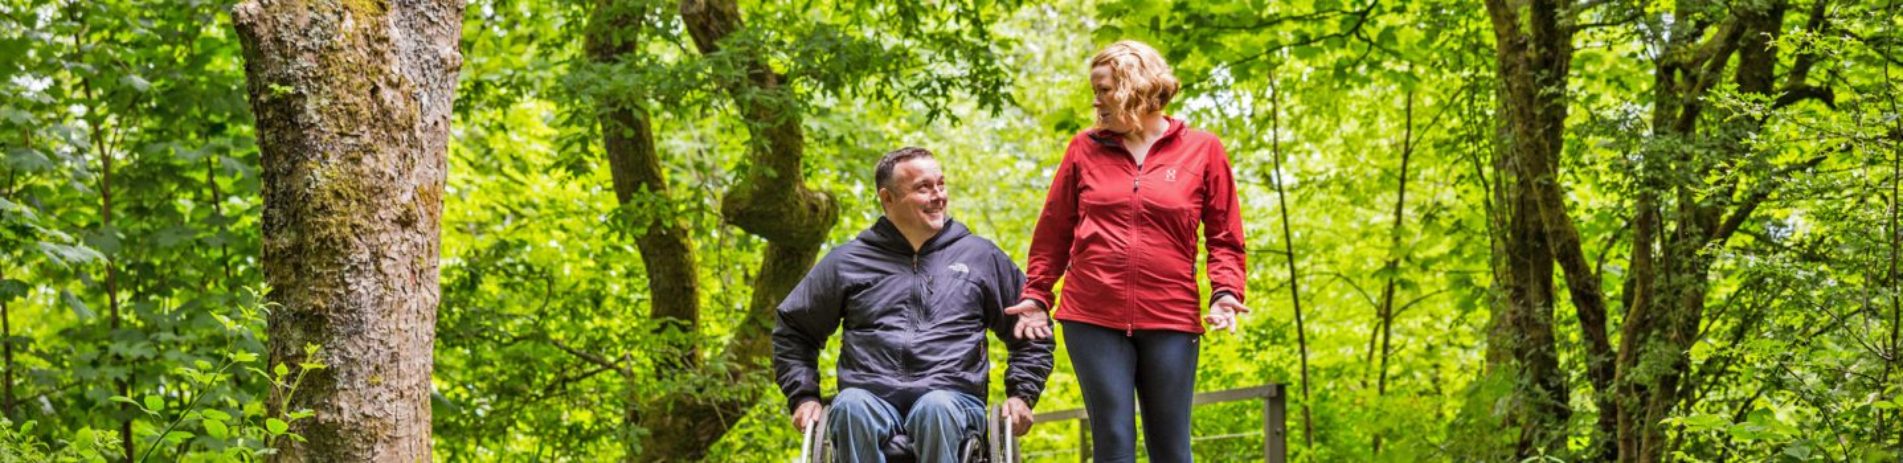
(1136, 184)
(918, 305)
(1136, 181)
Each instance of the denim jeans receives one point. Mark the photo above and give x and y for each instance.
(937, 424)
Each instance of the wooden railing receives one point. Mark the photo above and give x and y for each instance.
(1274, 420)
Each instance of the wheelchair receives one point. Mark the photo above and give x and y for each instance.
(994, 444)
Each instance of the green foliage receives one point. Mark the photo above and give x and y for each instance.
(544, 350)
(86, 445)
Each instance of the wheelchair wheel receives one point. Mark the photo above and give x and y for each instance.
(1003, 444)
(815, 447)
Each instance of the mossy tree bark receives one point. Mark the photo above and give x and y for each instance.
(771, 200)
(352, 100)
(1534, 52)
(1678, 214)
(614, 33)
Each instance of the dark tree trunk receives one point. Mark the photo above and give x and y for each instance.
(640, 186)
(1384, 316)
(771, 201)
(353, 104)
(6, 351)
(1288, 250)
(1534, 53)
(614, 35)
(1671, 267)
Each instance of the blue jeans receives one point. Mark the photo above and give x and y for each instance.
(937, 424)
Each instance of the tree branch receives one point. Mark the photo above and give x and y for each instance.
(1758, 195)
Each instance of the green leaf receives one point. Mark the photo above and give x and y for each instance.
(28, 160)
(18, 117)
(276, 426)
(1798, 451)
(79, 307)
(136, 82)
(11, 288)
(281, 371)
(105, 240)
(1307, 52)
(216, 429)
(69, 255)
(172, 236)
(154, 403)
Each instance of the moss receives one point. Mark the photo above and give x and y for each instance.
(339, 204)
(366, 9)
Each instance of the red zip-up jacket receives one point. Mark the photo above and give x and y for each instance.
(1124, 235)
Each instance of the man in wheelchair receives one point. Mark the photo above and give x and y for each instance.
(915, 293)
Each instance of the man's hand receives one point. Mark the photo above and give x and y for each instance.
(806, 414)
(1032, 322)
(1223, 313)
(1019, 415)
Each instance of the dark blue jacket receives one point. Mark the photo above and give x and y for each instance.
(914, 321)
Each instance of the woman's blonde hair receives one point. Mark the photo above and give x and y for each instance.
(1142, 82)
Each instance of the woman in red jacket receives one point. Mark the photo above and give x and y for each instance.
(1120, 225)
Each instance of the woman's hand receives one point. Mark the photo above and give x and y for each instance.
(1224, 312)
(1033, 323)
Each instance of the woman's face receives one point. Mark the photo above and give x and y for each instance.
(1101, 84)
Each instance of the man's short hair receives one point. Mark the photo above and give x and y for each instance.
(882, 175)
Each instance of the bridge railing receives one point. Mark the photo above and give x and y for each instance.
(1274, 420)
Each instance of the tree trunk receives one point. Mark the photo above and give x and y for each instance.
(1533, 65)
(640, 187)
(1385, 312)
(353, 104)
(771, 201)
(1668, 304)
(1288, 250)
(614, 34)
(6, 351)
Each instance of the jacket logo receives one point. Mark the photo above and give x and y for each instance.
(1169, 175)
(960, 268)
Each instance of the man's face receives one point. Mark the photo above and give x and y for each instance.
(916, 199)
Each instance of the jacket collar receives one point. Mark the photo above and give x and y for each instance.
(1114, 139)
(884, 235)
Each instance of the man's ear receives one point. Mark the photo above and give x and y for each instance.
(882, 199)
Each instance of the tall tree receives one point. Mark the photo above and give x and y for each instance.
(1695, 189)
(614, 37)
(1698, 186)
(770, 200)
(615, 30)
(1534, 52)
(352, 101)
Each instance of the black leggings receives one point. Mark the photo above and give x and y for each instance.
(1154, 367)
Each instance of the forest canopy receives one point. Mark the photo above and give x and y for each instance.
(1477, 230)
